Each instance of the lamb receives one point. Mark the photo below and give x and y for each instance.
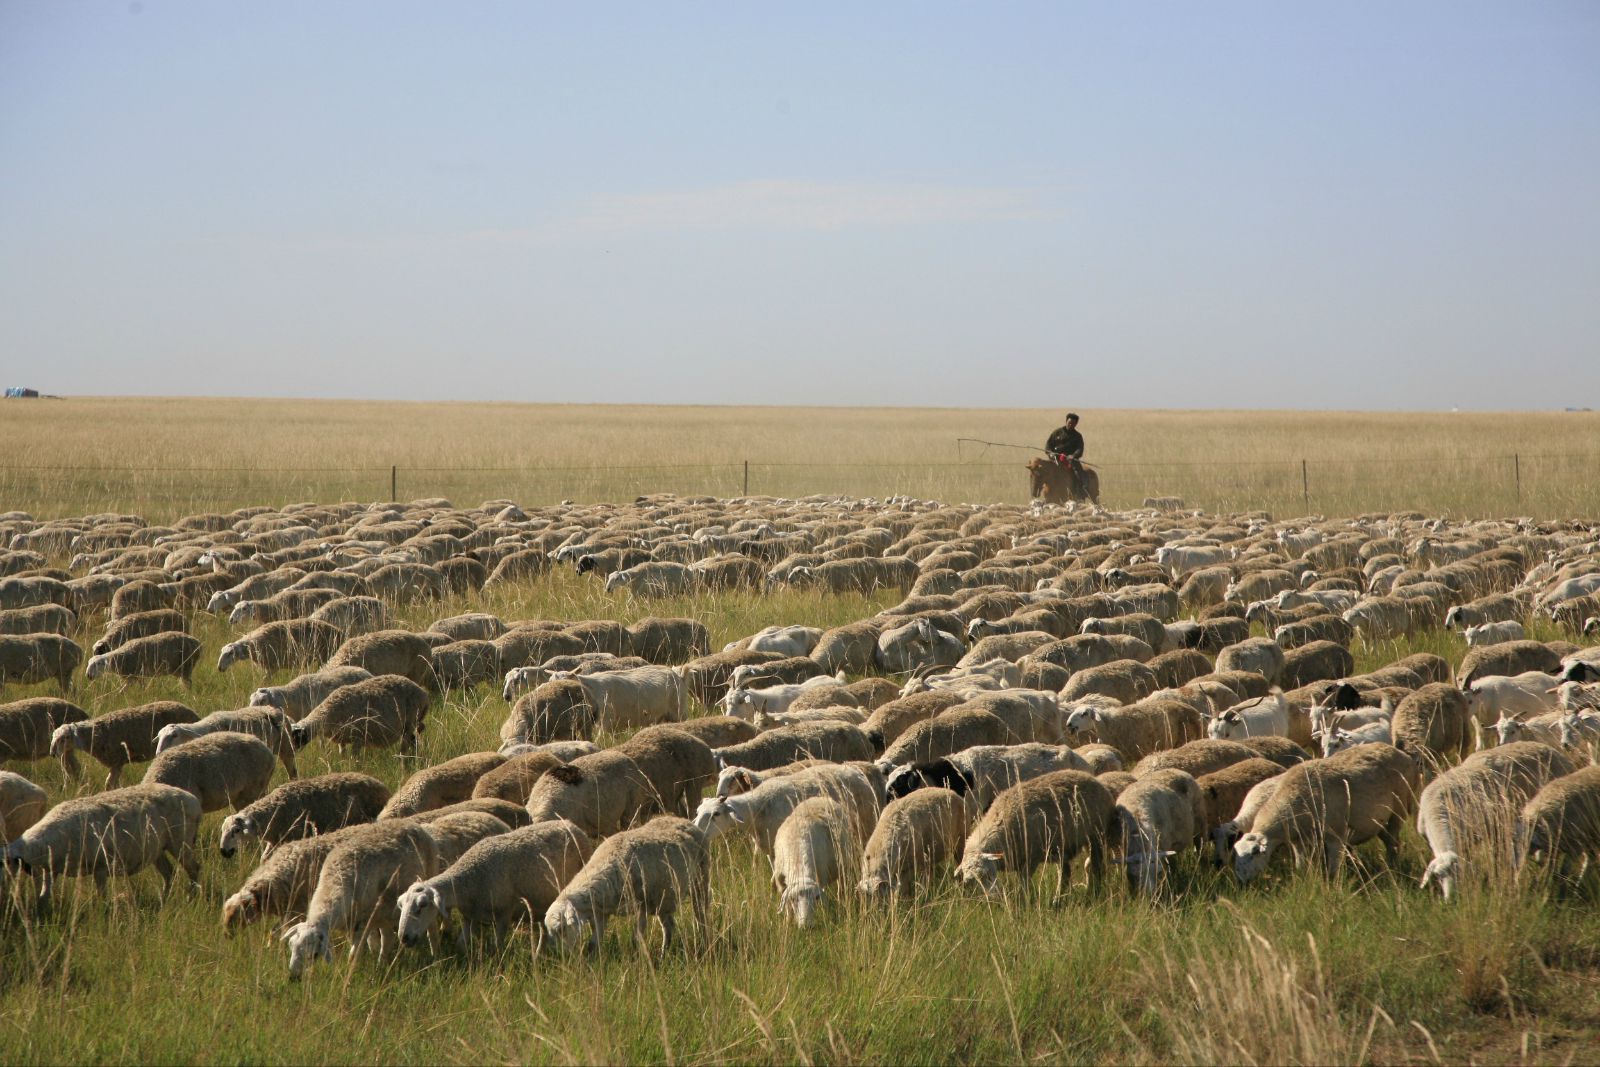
(888, 721)
(1006, 646)
(1046, 819)
(270, 725)
(836, 741)
(358, 887)
(388, 652)
(650, 870)
(718, 731)
(785, 640)
(744, 702)
(678, 766)
(1494, 696)
(1496, 607)
(1268, 717)
(1472, 808)
(26, 726)
(379, 712)
(1102, 759)
(916, 836)
(1140, 624)
(39, 658)
(1179, 667)
(223, 770)
(1259, 655)
(1137, 730)
(762, 810)
(602, 793)
(1494, 633)
(1159, 815)
(497, 881)
(514, 779)
(117, 738)
(556, 710)
(1434, 725)
(519, 680)
(296, 698)
(120, 831)
(289, 604)
(441, 784)
(1307, 631)
(303, 808)
(290, 643)
(503, 811)
(174, 654)
(21, 805)
(1322, 807)
(984, 771)
(1126, 680)
(656, 578)
(1543, 728)
(1562, 821)
(141, 624)
(817, 845)
(354, 614)
(1337, 739)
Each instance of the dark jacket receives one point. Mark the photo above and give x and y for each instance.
(1065, 442)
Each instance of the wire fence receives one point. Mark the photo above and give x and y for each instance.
(1540, 485)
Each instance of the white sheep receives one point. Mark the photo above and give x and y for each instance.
(763, 809)
(817, 846)
(649, 870)
(1494, 633)
(744, 702)
(119, 831)
(1158, 816)
(497, 881)
(358, 887)
(1264, 717)
(1225, 835)
(1338, 738)
(1497, 696)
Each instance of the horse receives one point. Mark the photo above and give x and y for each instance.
(1053, 483)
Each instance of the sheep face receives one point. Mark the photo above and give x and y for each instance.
(980, 871)
(306, 944)
(299, 735)
(1443, 869)
(231, 654)
(94, 668)
(565, 926)
(420, 913)
(800, 900)
(63, 741)
(616, 580)
(1081, 723)
(240, 910)
(1507, 729)
(716, 817)
(739, 703)
(267, 697)
(235, 828)
(731, 781)
(1250, 855)
(1225, 727)
(220, 602)
(1092, 626)
(1222, 840)
(244, 611)
(1335, 740)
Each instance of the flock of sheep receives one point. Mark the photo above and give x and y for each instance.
(1054, 682)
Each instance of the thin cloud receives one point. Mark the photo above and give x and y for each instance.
(804, 205)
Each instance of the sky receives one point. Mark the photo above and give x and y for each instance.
(1342, 206)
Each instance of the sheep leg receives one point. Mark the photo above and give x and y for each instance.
(114, 776)
(69, 764)
(164, 867)
(288, 762)
(1097, 864)
(1332, 855)
(641, 931)
(1390, 836)
(668, 922)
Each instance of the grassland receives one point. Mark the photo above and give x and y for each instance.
(166, 457)
(1369, 969)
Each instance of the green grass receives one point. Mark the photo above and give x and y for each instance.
(1288, 970)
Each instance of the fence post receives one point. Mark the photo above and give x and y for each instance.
(1305, 485)
(1516, 467)
(746, 477)
(394, 477)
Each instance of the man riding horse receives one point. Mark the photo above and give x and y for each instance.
(1062, 476)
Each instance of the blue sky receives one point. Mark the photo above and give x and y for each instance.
(1359, 205)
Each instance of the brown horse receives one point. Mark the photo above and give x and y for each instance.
(1053, 483)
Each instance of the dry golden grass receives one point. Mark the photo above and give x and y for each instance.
(164, 457)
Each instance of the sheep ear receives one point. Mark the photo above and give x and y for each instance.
(290, 932)
(996, 856)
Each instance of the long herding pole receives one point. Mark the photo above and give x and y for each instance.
(1305, 485)
(746, 477)
(394, 480)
